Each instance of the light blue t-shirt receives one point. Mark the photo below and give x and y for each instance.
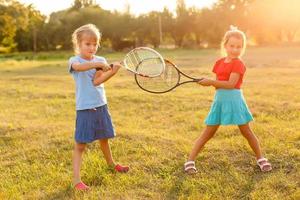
(88, 96)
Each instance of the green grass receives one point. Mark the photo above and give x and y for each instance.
(155, 133)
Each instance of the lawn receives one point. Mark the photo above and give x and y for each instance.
(155, 133)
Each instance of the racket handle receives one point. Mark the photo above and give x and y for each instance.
(198, 79)
(111, 65)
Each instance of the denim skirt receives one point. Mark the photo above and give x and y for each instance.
(93, 124)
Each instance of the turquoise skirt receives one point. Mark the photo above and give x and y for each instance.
(228, 108)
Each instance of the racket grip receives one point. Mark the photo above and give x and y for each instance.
(198, 79)
(98, 68)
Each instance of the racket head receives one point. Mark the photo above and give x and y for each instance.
(165, 82)
(144, 61)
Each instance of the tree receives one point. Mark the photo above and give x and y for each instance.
(147, 28)
(32, 37)
(82, 4)
(13, 16)
(181, 25)
(201, 22)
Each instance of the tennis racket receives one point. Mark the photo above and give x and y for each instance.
(144, 61)
(167, 81)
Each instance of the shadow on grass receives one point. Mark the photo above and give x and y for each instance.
(66, 193)
(177, 187)
(213, 167)
(245, 190)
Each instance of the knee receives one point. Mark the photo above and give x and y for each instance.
(103, 141)
(248, 134)
(80, 147)
(212, 134)
(211, 131)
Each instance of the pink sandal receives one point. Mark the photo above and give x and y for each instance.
(264, 165)
(121, 169)
(81, 186)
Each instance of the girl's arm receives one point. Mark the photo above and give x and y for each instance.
(101, 77)
(230, 84)
(79, 67)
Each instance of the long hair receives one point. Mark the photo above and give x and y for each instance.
(233, 32)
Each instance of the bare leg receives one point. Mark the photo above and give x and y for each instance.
(207, 134)
(105, 148)
(77, 160)
(252, 139)
(254, 144)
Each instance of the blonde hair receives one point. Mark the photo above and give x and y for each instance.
(233, 32)
(90, 29)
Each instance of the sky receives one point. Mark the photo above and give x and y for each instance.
(136, 6)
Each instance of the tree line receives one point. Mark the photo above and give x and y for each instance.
(24, 28)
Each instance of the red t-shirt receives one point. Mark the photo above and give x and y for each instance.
(223, 70)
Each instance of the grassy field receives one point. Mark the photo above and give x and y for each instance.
(155, 133)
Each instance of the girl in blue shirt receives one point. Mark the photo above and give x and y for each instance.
(93, 121)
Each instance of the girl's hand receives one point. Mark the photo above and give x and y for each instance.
(103, 66)
(116, 67)
(205, 82)
(106, 67)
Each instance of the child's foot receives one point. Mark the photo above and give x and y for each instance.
(264, 165)
(81, 186)
(190, 168)
(121, 169)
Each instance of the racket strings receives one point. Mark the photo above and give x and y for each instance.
(153, 63)
(132, 57)
(144, 62)
(166, 81)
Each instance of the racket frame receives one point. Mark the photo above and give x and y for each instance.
(180, 74)
(123, 63)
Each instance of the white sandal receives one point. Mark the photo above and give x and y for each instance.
(263, 164)
(189, 167)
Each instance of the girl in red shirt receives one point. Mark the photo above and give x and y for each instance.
(229, 106)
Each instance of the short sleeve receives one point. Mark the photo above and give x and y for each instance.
(72, 60)
(101, 59)
(238, 67)
(215, 67)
